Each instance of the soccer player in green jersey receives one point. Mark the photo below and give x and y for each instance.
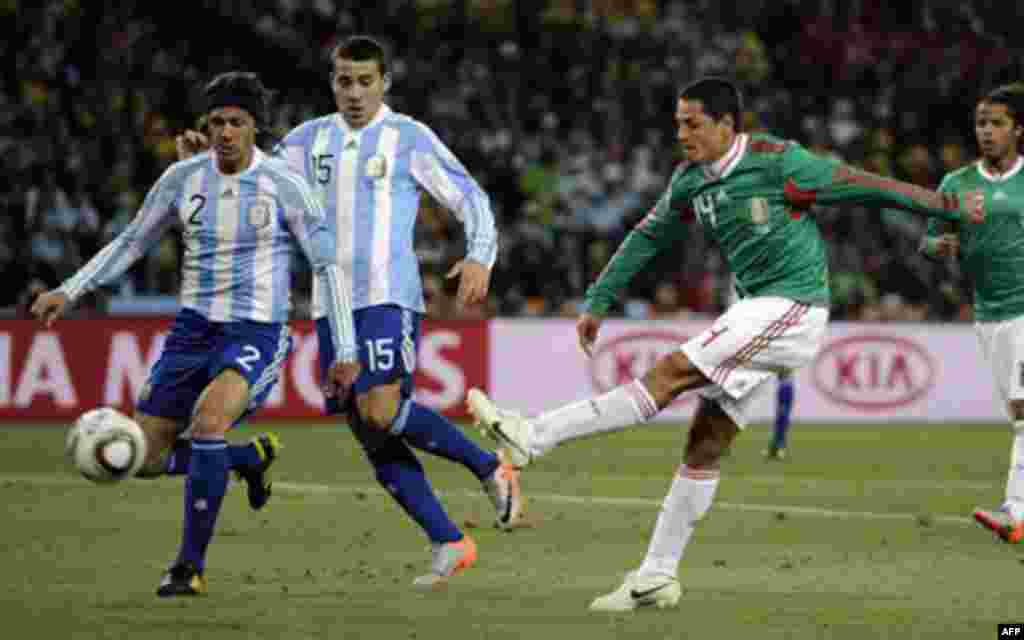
(752, 193)
(993, 255)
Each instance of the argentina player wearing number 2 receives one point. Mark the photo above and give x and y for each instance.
(244, 215)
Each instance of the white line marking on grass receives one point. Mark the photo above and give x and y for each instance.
(649, 503)
(928, 485)
(644, 503)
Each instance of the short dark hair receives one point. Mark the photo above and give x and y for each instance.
(719, 97)
(242, 89)
(1012, 97)
(362, 48)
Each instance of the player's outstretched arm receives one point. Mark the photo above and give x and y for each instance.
(811, 179)
(154, 217)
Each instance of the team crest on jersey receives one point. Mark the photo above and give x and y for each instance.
(376, 167)
(759, 214)
(260, 212)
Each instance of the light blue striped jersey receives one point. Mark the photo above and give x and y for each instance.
(241, 232)
(368, 181)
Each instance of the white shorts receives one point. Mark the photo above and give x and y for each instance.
(755, 339)
(1003, 346)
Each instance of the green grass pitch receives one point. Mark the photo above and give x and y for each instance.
(864, 532)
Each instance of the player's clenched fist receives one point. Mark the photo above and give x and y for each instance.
(190, 143)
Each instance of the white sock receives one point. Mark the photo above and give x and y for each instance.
(686, 503)
(1015, 478)
(621, 407)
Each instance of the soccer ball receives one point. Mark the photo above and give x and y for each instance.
(106, 446)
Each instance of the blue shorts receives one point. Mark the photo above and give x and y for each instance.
(197, 350)
(387, 338)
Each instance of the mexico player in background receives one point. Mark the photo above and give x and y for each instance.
(752, 193)
(992, 255)
(368, 164)
(243, 217)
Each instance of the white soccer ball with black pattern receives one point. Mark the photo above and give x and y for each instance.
(106, 446)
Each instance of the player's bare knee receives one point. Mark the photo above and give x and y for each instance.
(711, 435)
(704, 452)
(379, 408)
(378, 413)
(160, 435)
(1017, 413)
(672, 374)
(210, 423)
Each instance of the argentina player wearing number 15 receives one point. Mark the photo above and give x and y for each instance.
(244, 216)
(368, 164)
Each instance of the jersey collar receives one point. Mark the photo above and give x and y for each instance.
(257, 158)
(1003, 177)
(722, 167)
(351, 134)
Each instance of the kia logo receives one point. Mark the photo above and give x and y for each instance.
(620, 360)
(874, 373)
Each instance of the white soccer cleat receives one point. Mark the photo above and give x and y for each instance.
(637, 592)
(503, 489)
(511, 430)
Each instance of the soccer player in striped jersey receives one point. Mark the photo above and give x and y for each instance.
(752, 193)
(992, 255)
(368, 165)
(243, 216)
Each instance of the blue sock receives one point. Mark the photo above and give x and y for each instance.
(239, 455)
(205, 487)
(429, 431)
(783, 411)
(402, 475)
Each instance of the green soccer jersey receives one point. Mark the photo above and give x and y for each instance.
(755, 204)
(991, 253)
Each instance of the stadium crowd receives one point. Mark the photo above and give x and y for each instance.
(562, 109)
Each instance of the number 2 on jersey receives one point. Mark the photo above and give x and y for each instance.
(198, 201)
(250, 355)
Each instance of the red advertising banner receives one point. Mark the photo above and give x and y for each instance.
(60, 372)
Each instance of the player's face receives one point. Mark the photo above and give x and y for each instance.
(997, 133)
(358, 90)
(233, 136)
(703, 138)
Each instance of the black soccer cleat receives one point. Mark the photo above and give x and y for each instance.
(182, 580)
(268, 445)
